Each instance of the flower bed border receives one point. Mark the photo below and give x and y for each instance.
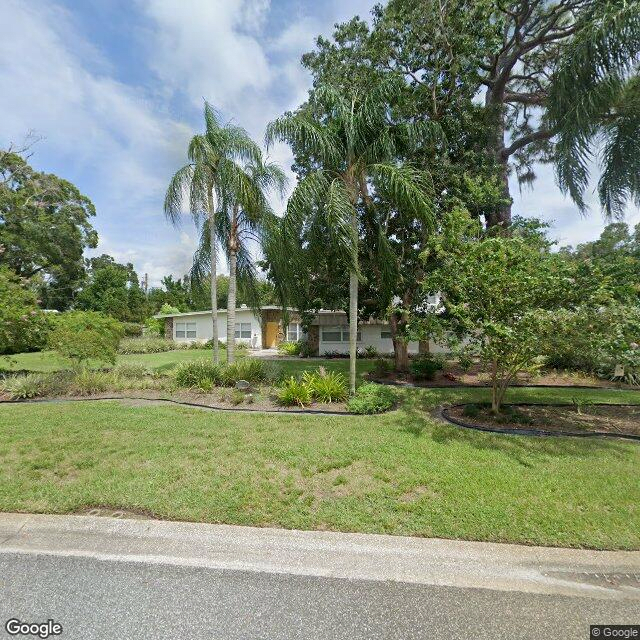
(444, 414)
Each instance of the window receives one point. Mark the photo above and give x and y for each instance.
(243, 330)
(185, 329)
(385, 334)
(294, 333)
(338, 334)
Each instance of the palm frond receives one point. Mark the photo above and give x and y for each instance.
(179, 186)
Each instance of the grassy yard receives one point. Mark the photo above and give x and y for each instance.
(48, 361)
(399, 473)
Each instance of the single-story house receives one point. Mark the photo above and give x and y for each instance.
(328, 332)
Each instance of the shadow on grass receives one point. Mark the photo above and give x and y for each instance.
(417, 416)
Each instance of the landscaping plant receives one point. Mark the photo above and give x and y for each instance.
(372, 398)
(426, 366)
(293, 392)
(326, 386)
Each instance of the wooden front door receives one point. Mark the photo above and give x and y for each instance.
(272, 334)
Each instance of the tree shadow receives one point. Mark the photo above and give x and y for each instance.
(423, 421)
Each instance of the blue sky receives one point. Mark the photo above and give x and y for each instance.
(114, 88)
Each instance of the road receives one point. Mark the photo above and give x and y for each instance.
(99, 579)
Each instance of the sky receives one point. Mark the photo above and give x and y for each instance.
(113, 90)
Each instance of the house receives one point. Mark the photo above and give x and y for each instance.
(328, 332)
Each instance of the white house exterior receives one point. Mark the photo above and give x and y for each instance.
(329, 331)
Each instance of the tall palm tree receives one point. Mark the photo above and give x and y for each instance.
(240, 222)
(212, 172)
(355, 149)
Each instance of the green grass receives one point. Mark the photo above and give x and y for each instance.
(399, 473)
(48, 361)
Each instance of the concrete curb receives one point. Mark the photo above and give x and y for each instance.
(502, 567)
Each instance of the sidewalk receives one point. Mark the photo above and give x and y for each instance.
(502, 567)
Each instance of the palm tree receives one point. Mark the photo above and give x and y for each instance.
(594, 107)
(237, 226)
(212, 172)
(354, 146)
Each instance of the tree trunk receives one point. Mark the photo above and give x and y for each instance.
(353, 312)
(423, 347)
(231, 299)
(214, 280)
(231, 308)
(400, 346)
(494, 99)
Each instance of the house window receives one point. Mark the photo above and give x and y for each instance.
(185, 329)
(294, 333)
(243, 330)
(338, 334)
(385, 334)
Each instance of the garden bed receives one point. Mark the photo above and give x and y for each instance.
(454, 376)
(541, 419)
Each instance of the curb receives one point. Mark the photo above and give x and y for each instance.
(443, 413)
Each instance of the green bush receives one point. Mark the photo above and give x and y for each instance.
(290, 348)
(31, 385)
(148, 344)
(372, 398)
(293, 392)
(86, 335)
(199, 374)
(249, 369)
(370, 352)
(132, 329)
(329, 386)
(154, 327)
(426, 366)
(23, 325)
(382, 367)
(133, 370)
(471, 410)
(87, 382)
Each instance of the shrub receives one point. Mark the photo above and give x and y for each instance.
(465, 361)
(148, 344)
(132, 329)
(426, 366)
(154, 327)
(237, 397)
(26, 386)
(329, 386)
(250, 369)
(87, 382)
(372, 398)
(86, 335)
(23, 326)
(381, 367)
(290, 348)
(370, 352)
(293, 392)
(471, 410)
(199, 374)
(209, 345)
(133, 370)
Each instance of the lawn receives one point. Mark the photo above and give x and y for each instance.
(48, 361)
(399, 473)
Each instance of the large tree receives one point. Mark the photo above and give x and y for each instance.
(44, 229)
(354, 147)
(213, 170)
(557, 77)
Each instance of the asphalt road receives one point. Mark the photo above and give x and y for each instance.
(111, 599)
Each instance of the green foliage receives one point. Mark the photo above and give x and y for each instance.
(88, 382)
(149, 344)
(293, 392)
(167, 309)
(23, 326)
(154, 327)
(133, 370)
(370, 352)
(471, 411)
(85, 335)
(382, 367)
(132, 329)
(326, 386)
(113, 289)
(237, 397)
(23, 387)
(44, 229)
(504, 296)
(198, 374)
(372, 398)
(426, 366)
(290, 348)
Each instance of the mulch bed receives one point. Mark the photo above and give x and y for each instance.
(454, 376)
(621, 421)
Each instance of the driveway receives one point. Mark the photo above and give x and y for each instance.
(113, 578)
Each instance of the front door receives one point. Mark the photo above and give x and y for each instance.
(272, 334)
